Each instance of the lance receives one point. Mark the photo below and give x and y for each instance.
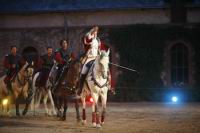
(124, 67)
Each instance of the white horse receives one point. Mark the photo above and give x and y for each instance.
(96, 84)
(46, 92)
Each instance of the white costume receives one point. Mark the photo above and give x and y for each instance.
(92, 51)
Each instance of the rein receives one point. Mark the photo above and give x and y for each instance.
(95, 81)
(20, 82)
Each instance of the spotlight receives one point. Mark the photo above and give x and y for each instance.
(174, 99)
(5, 102)
(91, 100)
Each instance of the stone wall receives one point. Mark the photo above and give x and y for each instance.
(39, 38)
(23, 38)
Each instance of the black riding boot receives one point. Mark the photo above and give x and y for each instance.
(81, 83)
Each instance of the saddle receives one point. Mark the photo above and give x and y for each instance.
(10, 77)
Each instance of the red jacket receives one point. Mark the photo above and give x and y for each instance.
(10, 60)
(103, 46)
(60, 59)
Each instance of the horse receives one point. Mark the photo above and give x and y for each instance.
(96, 84)
(45, 91)
(66, 89)
(21, 86)
(5, 105)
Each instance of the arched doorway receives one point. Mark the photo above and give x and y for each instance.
(179, 60)
(30, 54)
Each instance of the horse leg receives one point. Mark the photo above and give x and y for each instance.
(65, 108)
(28, 101)
(58, 103)
(39, 96)
(103, 113)
(52, 102)
(17, 106)
(26, 107)
(83, 110)
(32, 103)
(77, 111)
(95, 112)
(56, 99)
(45, 104)
(93, 115)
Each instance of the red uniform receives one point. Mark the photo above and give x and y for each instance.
(104, 47)
(62, 56)
(11, 64)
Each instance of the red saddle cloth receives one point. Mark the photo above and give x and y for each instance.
(9, 77)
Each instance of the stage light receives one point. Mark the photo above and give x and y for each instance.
(91, 100)
(5, 102)
(174, 99)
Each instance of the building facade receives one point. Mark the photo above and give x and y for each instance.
(159, 38)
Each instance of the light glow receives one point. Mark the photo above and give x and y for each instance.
(5, 102)
(174, 99)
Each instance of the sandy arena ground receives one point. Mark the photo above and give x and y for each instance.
(121, 118)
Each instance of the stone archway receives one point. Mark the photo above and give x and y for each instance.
(185, 50)
(30, 54)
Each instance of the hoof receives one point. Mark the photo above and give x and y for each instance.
(98, 125)
(54, 113)
(83, 122)
(17, 114)
(59, 114)
(94, 124)
(63, 118)
(24, 112)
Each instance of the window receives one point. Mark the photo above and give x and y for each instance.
(179, 65)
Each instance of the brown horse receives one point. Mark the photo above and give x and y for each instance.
(67, 89)
(21, 86)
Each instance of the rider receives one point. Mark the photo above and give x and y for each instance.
(92, 45)
(47, 62)
(11, 64)
(63, 56)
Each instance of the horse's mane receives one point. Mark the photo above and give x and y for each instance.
(71, 74)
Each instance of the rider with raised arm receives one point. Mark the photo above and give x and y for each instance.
(92, 42)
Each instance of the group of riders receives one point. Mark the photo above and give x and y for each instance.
(62, 57)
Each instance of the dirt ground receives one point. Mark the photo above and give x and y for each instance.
(121, 118)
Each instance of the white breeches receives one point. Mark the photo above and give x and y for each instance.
(85, 68)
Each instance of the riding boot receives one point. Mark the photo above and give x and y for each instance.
(9, 87)
(81, 83)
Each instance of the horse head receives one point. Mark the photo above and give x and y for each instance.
(104, 63)
(53, 72)
(73, 73)
(28, 70)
